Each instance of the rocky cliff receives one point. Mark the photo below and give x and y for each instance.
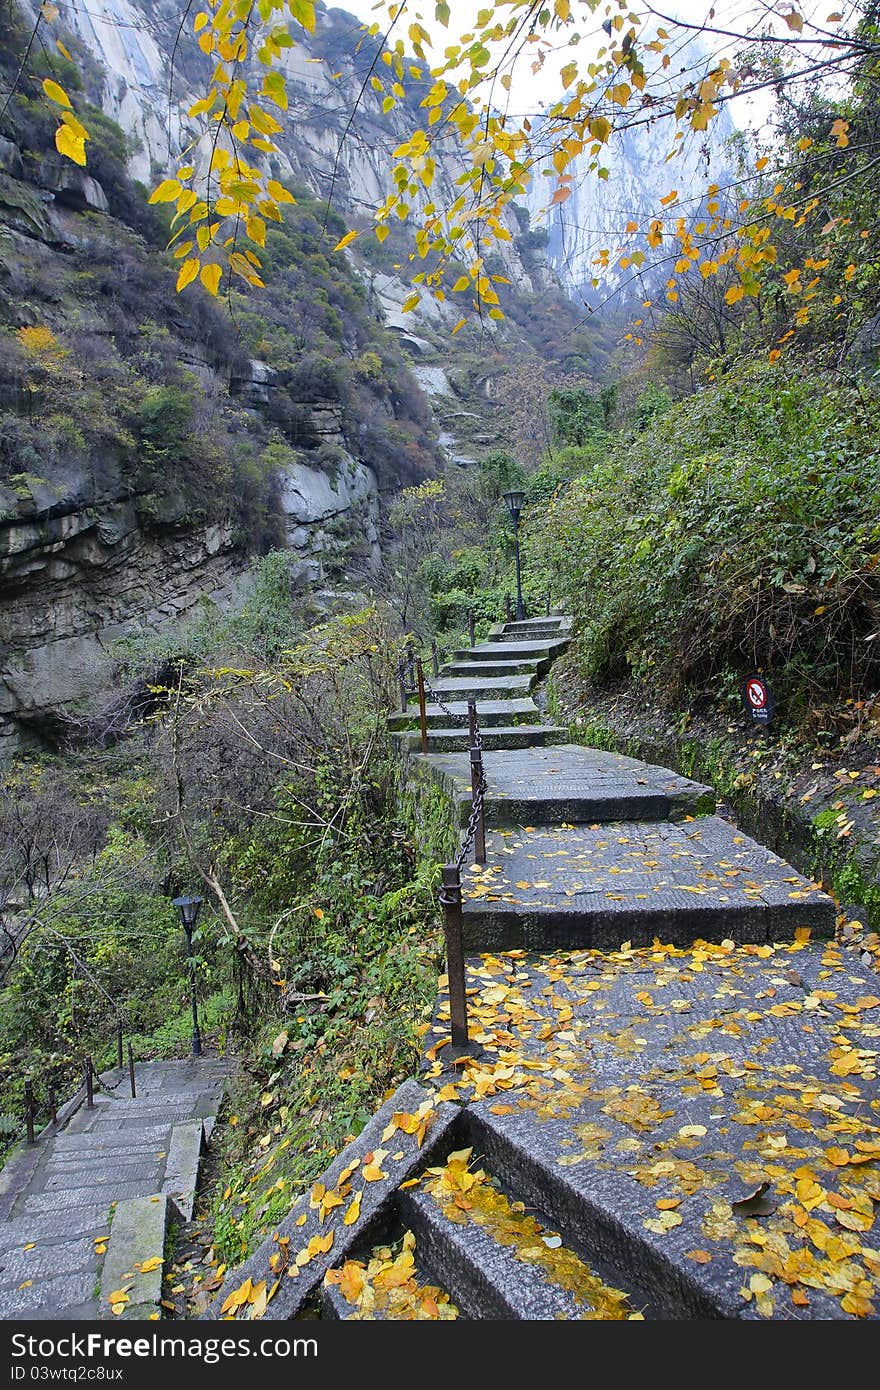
(150, 444)
(644, 165)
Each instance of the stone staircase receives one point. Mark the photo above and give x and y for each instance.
(655, 1020)
(500, 675)
(83, 1209)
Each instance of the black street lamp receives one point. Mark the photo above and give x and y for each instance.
(189, 911)
(515, 502)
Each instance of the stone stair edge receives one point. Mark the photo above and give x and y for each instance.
(478, 1272)
(291, 1296)
(137, 1237)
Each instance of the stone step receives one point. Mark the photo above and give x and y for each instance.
(44, 1260)
(45, 1297)
(390, 1306)
(555, 620)
(499, 736)
(494, 1261)
(538, 649)
(599, 886)
(587, 1219)
(71, 1198)
(489, 713)
(481, 686)
(490, 668)
(88, 1220)
(520, 632)
(567, 783)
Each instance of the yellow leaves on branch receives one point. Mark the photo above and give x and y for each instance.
(70, 134)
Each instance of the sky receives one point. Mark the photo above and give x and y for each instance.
(533, 92)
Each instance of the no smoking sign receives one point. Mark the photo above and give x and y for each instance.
(758, 699)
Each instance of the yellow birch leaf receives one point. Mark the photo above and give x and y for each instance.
(188, 272)
(70, 145)
(168, 191)
(56, 93)
(353, 1212)
(210, 277)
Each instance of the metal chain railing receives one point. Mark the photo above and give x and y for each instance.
(474, 837)
(90, 1079)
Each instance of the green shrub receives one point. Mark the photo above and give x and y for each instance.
(737, 530)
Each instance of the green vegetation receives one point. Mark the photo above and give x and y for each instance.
(274, 792)
(112, 388)
(737, 531)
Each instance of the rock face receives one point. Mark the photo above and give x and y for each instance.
(78, 575)
(86, 558)
(324, 512)
(642, 170)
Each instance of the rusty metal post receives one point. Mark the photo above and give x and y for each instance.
(90, 1084)
(131, 1071)
(401, 675)
(450, 899)
(29, 1110)
(423, 717)
(119, 1059)
(472, 721)
(53, 1108)
(548, 603)
(435, 660)
(508, 608)
(472, 627)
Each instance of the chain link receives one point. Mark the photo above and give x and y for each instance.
(473, 821)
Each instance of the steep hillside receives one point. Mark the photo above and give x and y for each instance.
(151, 443)
(337, 143)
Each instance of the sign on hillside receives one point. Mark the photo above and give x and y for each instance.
(758, 699)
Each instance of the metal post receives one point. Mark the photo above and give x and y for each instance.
(450, 899)
(435, 660)
(548, 603)
(520, 607)
(508, 608)
(472, 721)
(90, 1084)
(119, 1061)
(401, 673)
(472, 627)
(423, 717)
(196, 1036)
(131, 1072)
(29, 1111)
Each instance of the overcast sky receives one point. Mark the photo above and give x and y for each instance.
(529, 93)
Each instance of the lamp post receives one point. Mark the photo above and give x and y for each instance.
(514, 502)
(189, 911)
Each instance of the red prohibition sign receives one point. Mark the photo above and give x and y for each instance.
(756, 694)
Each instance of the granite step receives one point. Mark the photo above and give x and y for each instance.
(489, 668)
(482, 686)
(533, 649)
(518, 632)
(568, 783)
(489, 713)
(570, 887)
(496, 737)
(498, 1260)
